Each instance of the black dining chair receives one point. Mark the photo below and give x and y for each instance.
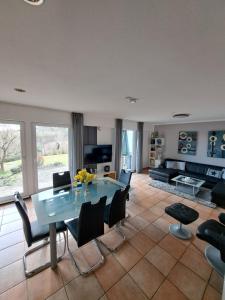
(35, 232)
(115, 213)
(61, 179)
(125, 178)
(86, 228)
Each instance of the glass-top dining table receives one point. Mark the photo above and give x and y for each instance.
(60, 204)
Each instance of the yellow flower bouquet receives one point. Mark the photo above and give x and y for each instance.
(83, 176)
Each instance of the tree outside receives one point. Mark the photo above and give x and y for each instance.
(10, 159)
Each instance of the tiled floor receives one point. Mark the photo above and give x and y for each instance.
(151, 264)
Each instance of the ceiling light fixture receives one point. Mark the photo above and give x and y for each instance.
(34, 2)
(181, 115)
(131, 100)
(19, 90)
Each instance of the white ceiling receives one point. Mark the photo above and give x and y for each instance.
(88, 55)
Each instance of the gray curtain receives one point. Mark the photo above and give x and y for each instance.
(118, 145)
(77, 141)
(139, 158)
(90, 135)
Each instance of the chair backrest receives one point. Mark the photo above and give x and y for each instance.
(91, 221)
(125, 177)
(60, 179)
(117, 210)
(22, 209)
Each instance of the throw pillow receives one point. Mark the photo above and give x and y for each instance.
(214, 173)
(181, 165)
(223, 174)
(170, 164)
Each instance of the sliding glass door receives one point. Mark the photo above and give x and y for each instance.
(128, 158)
(11, 160)
(52, 153)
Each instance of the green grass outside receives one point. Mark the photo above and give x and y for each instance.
(48, 160)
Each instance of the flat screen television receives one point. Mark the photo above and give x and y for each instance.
(95, 154)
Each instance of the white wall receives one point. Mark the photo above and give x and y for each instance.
(170, 132)
(29, 115)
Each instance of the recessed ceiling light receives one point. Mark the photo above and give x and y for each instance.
(181, 115)
(19, 90)
(34, 2)
(131, 100)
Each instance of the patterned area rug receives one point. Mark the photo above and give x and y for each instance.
(203, 196)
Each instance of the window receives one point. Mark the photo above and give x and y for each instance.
(128, 158)
(11, 163)
(52, 153)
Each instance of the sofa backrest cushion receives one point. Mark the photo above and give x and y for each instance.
(192, 167)
(196, 168)
(176, 165)
(214, 173)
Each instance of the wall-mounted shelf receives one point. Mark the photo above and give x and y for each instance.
(156, 151)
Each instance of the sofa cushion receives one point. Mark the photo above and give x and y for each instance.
(177, 165)
(196, 168)
(163, 172)
(214, 173)
(171, 164)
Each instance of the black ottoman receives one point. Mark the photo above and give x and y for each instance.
(213, 232)
(185, 215)
(218, 194)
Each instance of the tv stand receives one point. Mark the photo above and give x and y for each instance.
(111, 174)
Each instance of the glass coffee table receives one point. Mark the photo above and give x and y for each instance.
(189, 184)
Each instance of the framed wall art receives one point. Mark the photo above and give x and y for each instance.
(187, 142)
(216, 144)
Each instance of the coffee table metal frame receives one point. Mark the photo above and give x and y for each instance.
(195, 183)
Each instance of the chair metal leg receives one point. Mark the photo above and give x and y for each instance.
(119, 231)
(92, 268)
(180, 232)
(214, 259)
(46, 265)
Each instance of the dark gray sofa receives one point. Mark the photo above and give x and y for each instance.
(194, 170)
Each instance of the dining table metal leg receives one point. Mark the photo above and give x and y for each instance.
(53, 248)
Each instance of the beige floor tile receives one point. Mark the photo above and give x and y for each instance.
(161, 259)
(157, 210)
(142, 243)
(128, 230)
(154, 233)
(11, 254)
(195, 260)
(211, 294)
(110, 272)
(173, 246)
(11, 275)
(11, 227)
(190, 284)
(18, 292)
(10, 218)
(11, 239)
(149, 216)
(147, 277)
(162, 224)
(111, 239)
(138, 222)
(67, 269)
(87, 288)
(201, 245)
(44, 284)
(168, 291)
(126, 289)
(59, 295)
(135, 209)
(127, 256)
(216, 281)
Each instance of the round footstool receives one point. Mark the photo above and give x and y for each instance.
(185, 215)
